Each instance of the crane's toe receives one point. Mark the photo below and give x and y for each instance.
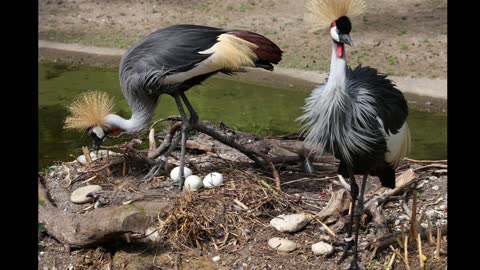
(354, 265)
(177, 183)
(155, 171)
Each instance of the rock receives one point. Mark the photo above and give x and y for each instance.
(289, 223)
(433, 177)
(442, 207)
(213, 179)
(80, 194)
(175, 173)
(152, 234)
(193, 183)
(322, 248)
(216, 259)
(281, 244)
(435, 188)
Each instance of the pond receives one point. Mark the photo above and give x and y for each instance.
(246, 106)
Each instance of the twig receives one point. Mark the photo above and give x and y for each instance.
(86, 154)
(425, 161)
(239, 203)
(413, 218)
(307, 179)
(430, 237)
(168, 118)
(109, 172)
(343, 182)
(389, 240)
(124, 167)
(390, 263)
(405, 249)
(152, 145)
(326, 227)
(399, 255)
(443, 166)
(420, 253)
(439, 241)
(166, 142)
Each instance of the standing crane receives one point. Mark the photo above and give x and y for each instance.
(170, 61)
(358, 115)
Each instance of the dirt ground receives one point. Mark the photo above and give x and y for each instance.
(402, 38)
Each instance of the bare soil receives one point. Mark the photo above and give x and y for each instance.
(402, 38)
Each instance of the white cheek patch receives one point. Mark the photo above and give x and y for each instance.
(334, 34)
(99, 132)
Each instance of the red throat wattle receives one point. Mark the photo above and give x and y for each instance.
(115, 131)
(340, 49)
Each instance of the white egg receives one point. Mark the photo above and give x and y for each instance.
(94, 156)
(213, 179)
(193, 183)
(175, 173)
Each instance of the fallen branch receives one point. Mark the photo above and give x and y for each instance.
(78, 230)
(385, 241)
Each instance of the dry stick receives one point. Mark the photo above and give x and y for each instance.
(124, 167)
(420, 253)
(109, 171)
(429, 235)
(246, 151)
(166, 142)
(439, 241)
(390, 263)
(383, 243)
(86, 154)
(307, 179)
(405, 248)
(425, 161)
(443, 166)
(152, 145)
(168, 118)
(413, 218)
(398, 254)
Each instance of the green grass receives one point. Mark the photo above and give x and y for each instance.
(392, 60)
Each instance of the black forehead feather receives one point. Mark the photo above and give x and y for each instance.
(344, 25)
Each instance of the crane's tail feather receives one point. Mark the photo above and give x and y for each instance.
(266, 51)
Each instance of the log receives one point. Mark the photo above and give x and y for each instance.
(98, 226)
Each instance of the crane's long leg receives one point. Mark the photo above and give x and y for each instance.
(184, 129)
(193, 114)
(354, 195)
(161, 163)
(358, 214)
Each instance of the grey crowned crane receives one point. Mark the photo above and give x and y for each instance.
(170, 61)
(358, 115)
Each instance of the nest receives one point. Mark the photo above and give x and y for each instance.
(223, 215)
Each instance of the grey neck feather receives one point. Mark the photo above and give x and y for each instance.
(142, 106)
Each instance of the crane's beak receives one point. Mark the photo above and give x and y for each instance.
(97, 142)
(345, 38)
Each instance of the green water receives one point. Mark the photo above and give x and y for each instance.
(244, 106)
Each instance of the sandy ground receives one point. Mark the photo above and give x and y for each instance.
(401, 38)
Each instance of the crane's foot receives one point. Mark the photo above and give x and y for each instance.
(155, 170)
(347, 250)
(177, 183)
(354, 265)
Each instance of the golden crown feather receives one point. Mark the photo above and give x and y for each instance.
(89, 109)
(322, 13)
